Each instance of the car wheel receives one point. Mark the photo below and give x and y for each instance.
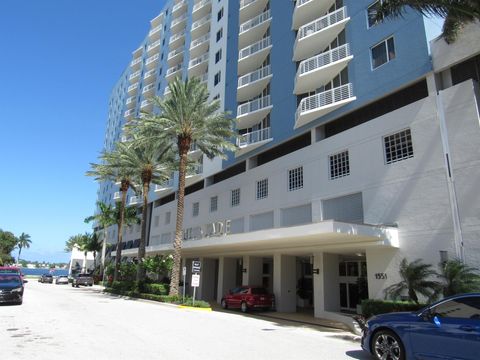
(386, 345)
(244, 307)
(73, 285)
(224, 304)
(90, 284)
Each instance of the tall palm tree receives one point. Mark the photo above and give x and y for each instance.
(455, 12)
(185, 117)
(457, 277)
(105, 217)
(111, 170)
(93, 245)
(414, 279)
(151, 164)
(23, 242)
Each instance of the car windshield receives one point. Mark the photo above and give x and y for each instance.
(10, 280)
(259, 291)
(9, 271)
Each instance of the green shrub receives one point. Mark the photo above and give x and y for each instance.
(372, 307)
(157, 289)
(198, 303)
(123, 285)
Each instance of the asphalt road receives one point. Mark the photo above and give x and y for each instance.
(61, 322)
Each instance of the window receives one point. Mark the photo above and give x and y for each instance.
(217, 78)
(196, 209)
(339, 165)
(235, 197)
(220, 14)
(219, 34)
(168, 216)
(462, 308)
(156, 221)
(398, 146)
(216, 97)
(372, 13)
(218, 56)
(383, 53)
(262, 189)
(295, 179)
(213, 203)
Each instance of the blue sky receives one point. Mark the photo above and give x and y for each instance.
(60, 59)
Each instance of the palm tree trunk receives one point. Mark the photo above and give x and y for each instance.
(19, 252)
(104, 251)
(142, 245)
(84, 267)
(184, 145)
(118, 255)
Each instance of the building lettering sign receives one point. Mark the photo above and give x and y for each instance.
(214, 229)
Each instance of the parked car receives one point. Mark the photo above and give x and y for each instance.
(82, 279)
(11, 288)
(46, 278)
(61, 280)
(447, 329)
(249, 297)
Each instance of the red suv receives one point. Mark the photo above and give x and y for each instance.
(249, 297)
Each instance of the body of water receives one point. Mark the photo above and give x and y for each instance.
(40, 272)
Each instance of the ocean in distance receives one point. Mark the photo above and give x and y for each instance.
(41, 271)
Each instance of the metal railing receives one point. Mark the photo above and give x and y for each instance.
(178, 20)
(200, 40)
(254, 76)
(149, 73)
(148, 88)
(174, 69)
(322, 23)
(200, 4)
(176, 37)
(325, 98)
(135, 200)
(144, 103)
(244, 3)
(179, 6)
(201, 22)
(130, 100)
(154, 45)
(324, 59)
(128, 112)
(152, 59)
(253, 137)
(165, 185)
(117, 195)
(255, 47)
(254, 105)
(198, 60)
(134, 75)
(175, 52)
(301, 2)
(166, 91)
(132, 87)
(257, 20)
(136, 61)
(155, 30)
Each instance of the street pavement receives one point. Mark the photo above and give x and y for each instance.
(61, 322)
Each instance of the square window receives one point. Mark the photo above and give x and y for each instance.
(195, 209)
(218, 56)
(398, 146)
(235, 197)
(217, 79)
(339, 165)
(295, 179)
(219, 34)
(383, 52)
(156, 221)
(168, 216)
(213, 203)
(372, 13)
(262, 189)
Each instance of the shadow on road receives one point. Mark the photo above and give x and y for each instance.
(358, 354)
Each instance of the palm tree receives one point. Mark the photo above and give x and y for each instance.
(150, 163)
(105, 217)
(415, 279)
(23, 242)
(455, 12)
(111, 170)
(93, 245)
(185, 117)
(457, 278)
(79, 241)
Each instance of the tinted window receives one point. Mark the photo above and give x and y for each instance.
(259, 291)
(464, 308)
(10, 280)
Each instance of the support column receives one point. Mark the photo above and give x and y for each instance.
(227, 268)
(207, 280)
(318, 285)
(254, 267)
(284, 282)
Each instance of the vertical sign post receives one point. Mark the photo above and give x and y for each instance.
(196, 266)
(184, 273)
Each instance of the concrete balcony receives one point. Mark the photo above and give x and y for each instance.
(194, 174)
(164, 187)
(136, 63)
(203, 78)
(253, 30)
(146, 105)
(317, 34)
(252, 56)
(157, 21)
(320, 104)
(200, 27)
(137, 53)
(178, 24)
(177, 8)
(155, 33)
(175, 56)
(134, 76)
(129, 114)
(149, 90)
(131, 102)
(308, 10)
(201, 9)
(252, 112)
(320, 69)
(166, 91)
(154, 47)
(176, 40)
(149, 76)
(152, 62)
(253, 83)
(134, 200)
(132, 89)
(198, 65)
(250, 8)
(252, 140)
(117, 195)
(173, 72)
(199, 45)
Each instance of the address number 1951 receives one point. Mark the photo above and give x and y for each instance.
(380, 276)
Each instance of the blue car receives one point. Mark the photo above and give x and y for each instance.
(447, 329)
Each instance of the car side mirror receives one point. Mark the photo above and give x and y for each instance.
(427, 315)
(25, 281)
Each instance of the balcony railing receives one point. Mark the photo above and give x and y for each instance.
(176, 37)
(135, 200)
(322, 23)
(256, 47)
(131, 100)
(149, 73)
(200, 40)
(134, 75)
(117, 195)
(129, 112)
(179, 5)
(154, 45)
(198, 60)
(165, 185)
(254, 105)
(166, 91)
(201, 22)
(324, 59)
(244, 3)
(178, 20)
(257, 20)
(132, 87)
(175, 52)
(254, 76)
(136, 62)
(325, 98)
(253, 137)
(144, 104)
(148, 88)
(152, 59)
(200, 4)
(155, 30)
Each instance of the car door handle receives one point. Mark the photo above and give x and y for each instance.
(468, 328)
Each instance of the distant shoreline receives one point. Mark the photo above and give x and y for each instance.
(41, 271)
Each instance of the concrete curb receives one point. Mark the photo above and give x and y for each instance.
(194, 308)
